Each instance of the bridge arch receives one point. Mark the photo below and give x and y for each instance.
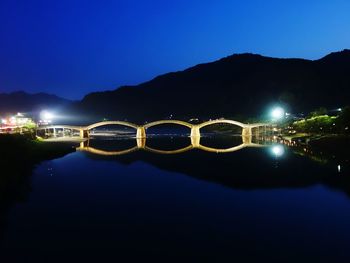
(158, 151)
(231, 149)
(107, 153)
(104, 123)
(218, 150)
(176, 122)
(212, 122)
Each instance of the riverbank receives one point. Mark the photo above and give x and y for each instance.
(321, 147)
(19, 155)
(19, 152)
(339, 145)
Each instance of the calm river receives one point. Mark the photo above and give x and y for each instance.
(259, 204)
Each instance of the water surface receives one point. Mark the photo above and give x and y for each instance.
(254, 204)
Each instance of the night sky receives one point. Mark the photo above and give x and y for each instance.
(70, 48)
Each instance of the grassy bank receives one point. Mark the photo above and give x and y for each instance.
(20, 150)
(18, 156)
(20, 153)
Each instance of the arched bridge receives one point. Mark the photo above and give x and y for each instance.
(141, 129)
(105, 123)
(162, 122)
(222, 121)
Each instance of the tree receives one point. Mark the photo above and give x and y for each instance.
(319, 112)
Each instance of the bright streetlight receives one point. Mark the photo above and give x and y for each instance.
(46, 116)
(277, 113)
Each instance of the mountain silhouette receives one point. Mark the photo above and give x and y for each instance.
(240, 86)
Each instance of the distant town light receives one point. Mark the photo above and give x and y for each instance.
(277, 113)
(13, 120)
(277, 150)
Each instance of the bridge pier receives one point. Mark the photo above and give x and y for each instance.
(141, 143)
(196, 141)
(84, 133)
(195, 131)
(140, 132)
(195, 136)
(247, 131)
(246, 140)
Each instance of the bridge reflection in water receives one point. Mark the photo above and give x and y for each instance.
(195, 144)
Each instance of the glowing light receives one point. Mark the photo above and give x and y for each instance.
(339, 168)
(277, 113)
(12, 121)
(277, 150)
(45, 115)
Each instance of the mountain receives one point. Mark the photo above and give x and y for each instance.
(240, 86)
(24, 102)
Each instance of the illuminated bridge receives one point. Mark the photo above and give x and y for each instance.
(141, 130)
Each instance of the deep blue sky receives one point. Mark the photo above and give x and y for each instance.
(70, 48)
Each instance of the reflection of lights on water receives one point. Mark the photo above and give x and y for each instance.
(277, 150)
(339, 168)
